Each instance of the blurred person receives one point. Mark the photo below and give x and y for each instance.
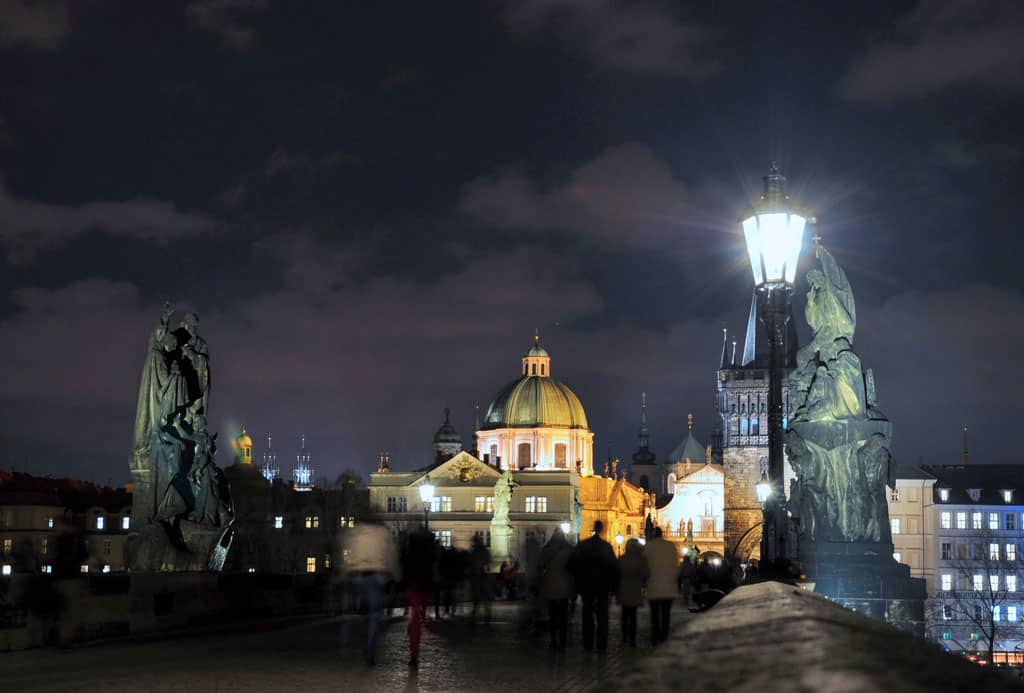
(556, 587)
(371, 563)
(663, 562)
(480, 578)
(418, 582)
(592, 564)
(633, 573)
(686, 574)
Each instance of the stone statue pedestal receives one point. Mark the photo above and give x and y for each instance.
(150, 550)
(864, 576)
(501, 538)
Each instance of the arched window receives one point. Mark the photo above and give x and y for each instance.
(534, 369)
(755, 425)
(542, 369)
(523, 456)
(670, 483)
(629, 529)
(560, 449)
(743, 426)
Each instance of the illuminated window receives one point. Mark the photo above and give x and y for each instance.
(947, 612)
(947, 635)
(997, 612)
(743, 426)
(484, 504)
(993, 582)
(1011, 583)
(993, 552)
(494, 455)
(278, 521)
(316, 522)
(8, 545)
(309, 522)
(1011, 521)
(126, 522)
(344, 521)
(961, 520)
(896, 556)
(327, 560)
(945, 520)
(755, 427)
(895, 522)
(1011, 613)
(947, 551)
(1011, 552)
(993, 520)
(83, 568)
(975, 636)
(6, 569)
(47, 568)
(107, 546)
(49, 523)
(1007, 496)
(106, 568)
(444, 537)
(441, 504)
(310, 564)
(536, 504)
(944, 494)
(978, 582)
(947, 583)
(100, 522)
(975, 520)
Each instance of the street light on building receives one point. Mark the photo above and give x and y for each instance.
(618, 541)
(764, 489)
(427, 496)
(774, 235)
(565, 527)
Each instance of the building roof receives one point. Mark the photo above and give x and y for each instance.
(912, 471)
(690, 449)
(24, 489)
(989, 480)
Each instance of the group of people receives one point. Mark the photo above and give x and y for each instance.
(591, 570)
(421, 573)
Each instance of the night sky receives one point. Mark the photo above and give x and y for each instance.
(373, 205)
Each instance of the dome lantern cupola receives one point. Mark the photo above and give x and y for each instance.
(243, 448)
(447, 441)
(537, 361)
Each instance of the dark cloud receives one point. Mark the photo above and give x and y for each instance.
(942, 44)
(27, 226)
(624, 196)
(228, 19)
(643, 37)
(36, 24)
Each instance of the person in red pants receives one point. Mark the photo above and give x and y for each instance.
(418, 575)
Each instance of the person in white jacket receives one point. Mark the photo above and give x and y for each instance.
(663, 564)
(370, 562)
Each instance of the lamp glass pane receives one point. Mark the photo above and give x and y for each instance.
(753, 236)
(774, 244)
(795, 241)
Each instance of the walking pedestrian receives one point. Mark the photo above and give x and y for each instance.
(686, 574)
(556, 587)
(418, 575)
(480, 578)
(663, 561)
(371, 563)
(633, 573)
(593, 566)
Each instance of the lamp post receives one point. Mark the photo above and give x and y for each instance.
(618, 540)
(427, 496)
(774, 234)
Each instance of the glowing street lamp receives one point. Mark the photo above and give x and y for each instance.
(565, 527)
(427, 496)
(774, 233)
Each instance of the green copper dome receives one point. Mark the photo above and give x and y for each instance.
(534, 401)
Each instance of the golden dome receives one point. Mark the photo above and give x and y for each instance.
(534, 401)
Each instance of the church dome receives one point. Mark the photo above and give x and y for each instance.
(447, 433)
(535, 401)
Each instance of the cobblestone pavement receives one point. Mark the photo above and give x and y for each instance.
(326, 655)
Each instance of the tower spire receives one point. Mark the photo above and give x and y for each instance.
(733, 361)
(689, 422)
(965, 457)
(724, 361)
(644, 433)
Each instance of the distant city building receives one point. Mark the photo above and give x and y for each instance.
(61, 526)
(303, 468)
(695, 515)
(270, 470)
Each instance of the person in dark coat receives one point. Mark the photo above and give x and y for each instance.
(418, 576)
(593, 565)
(633, 573)
(556, 587)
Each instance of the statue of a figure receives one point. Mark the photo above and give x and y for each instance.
(205, 477)
(503, 497)
(836, 438)
(194, 349)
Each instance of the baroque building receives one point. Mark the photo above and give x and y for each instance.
(740, 438)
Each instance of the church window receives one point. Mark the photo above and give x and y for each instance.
(743, 426)
(542, 369)
(670, 483)
(494, 454)
(560, 449)
(523, 456)
(534, 369)
(755, 426)
(743, 408)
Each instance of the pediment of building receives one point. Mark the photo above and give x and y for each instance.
(464, 468)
